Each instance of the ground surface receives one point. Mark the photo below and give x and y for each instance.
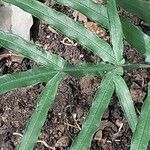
(73, 100)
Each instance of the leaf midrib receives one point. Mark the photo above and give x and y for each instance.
(26, 78)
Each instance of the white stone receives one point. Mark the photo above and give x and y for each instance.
(5, 17)
(21, 22)
(15, 20)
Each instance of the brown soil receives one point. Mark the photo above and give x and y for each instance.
(73, 100)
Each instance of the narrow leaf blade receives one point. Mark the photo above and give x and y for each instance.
(133, 35)
(115, 30)
(90, 9)
(67, 26)
(141, 136)
(136, 38)
(29, 50)
(23, 79)
(38, 118)
(92, 122)
(126, 101)
(140, 8)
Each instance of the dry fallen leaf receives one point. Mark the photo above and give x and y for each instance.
(99, 1)
(62, 142)
(95, 28)
(98, 135)
(80, 17)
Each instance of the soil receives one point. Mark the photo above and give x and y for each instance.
(73, 100)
